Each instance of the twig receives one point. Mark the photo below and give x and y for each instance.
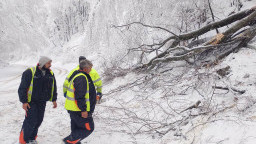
(193, 106)
(145, 25)
(226, 88)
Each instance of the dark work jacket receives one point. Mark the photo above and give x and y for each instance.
(80, 86)
(42, 86)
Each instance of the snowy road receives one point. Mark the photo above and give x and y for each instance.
(56, 124)
(56, 120)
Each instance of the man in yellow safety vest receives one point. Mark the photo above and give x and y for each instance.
(94, 76)
(37, 86)
(80, 103)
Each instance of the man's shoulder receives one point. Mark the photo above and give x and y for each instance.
(27, 74)
(50, 72)
(80, 79)
(76, 68)
(28, 70)
(93, 72)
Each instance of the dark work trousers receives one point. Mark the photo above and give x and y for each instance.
(80, 128)
(33, 119)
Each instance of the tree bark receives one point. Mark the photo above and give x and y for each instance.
(220, 44)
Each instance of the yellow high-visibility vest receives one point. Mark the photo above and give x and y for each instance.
(96, 80)
(94, 76)
(30, 90)
(70, 103)
(66, 82)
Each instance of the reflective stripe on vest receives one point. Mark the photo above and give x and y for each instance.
(96, 80)
(52, 86)
(30, 89)
(66, 82)
(99, 87)
(70, 103)
(94, 76)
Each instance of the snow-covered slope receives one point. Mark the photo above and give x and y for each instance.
(140, 108)
(23, 30)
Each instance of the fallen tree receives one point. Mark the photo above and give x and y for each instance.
(198, 51)
(176, 113)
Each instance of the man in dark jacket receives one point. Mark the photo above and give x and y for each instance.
(94, 76)
(37, 86)
(80, 103)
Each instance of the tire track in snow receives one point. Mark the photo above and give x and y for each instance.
(12, 114)
(10, 84)
(10, 80)
(60, 71)
(8, 91)
(14, 82)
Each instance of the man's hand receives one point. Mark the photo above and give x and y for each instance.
(98, 97)
(26, 106)
(54, 104)
(84, 114)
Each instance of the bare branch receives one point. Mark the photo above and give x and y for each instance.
(193, 106)
(226, 88)
(210, 7)
(145, 25)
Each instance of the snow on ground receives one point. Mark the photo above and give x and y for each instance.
(136, 103)
(56, 124)
(234, 122)
(233, 125)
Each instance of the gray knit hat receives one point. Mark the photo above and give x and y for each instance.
(43, 60)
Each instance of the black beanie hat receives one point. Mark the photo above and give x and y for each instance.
(81, 58)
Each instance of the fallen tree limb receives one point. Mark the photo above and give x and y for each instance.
(212, 56)
(218, 24)
(188, 53)
(209, 55)
(193, 106)
(226, 88)
(245, 22)
(249, 18)
(187, 36)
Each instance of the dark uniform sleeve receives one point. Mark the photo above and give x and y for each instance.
(54, 98)
(24, 85)
(92, 95)
(80, 86)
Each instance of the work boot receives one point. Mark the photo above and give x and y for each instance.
(66, 138)
(65, 142)
(70, 143)
(32, 142)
